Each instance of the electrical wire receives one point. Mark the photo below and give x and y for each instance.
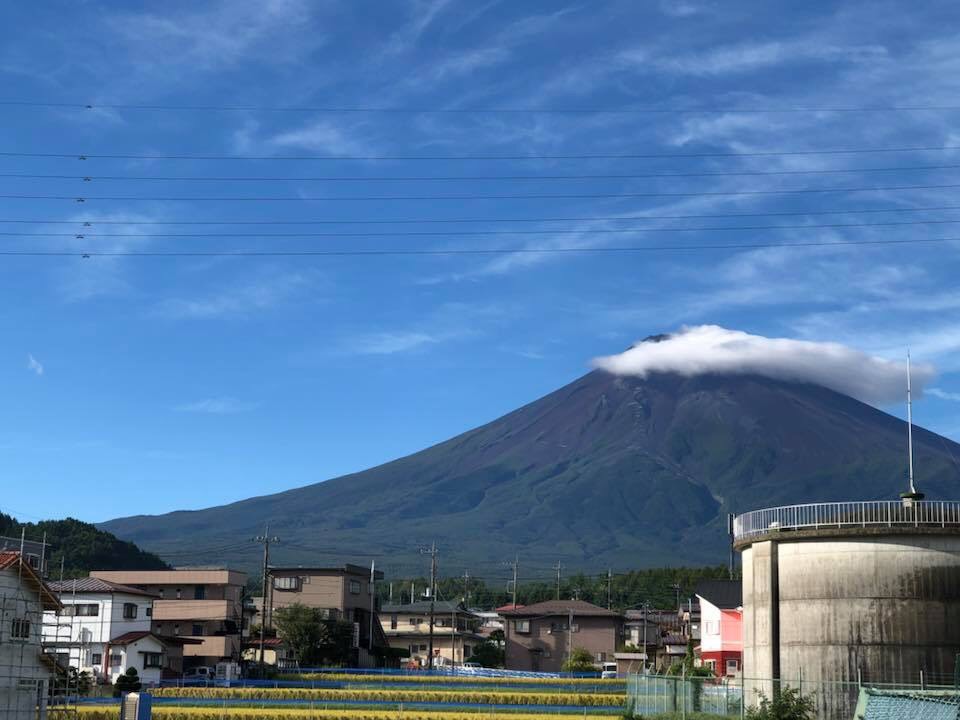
(437, 198)
(450, 178)
(426, 221)
(453, 252)
(474, 233)
(412, 158)
(357, 109)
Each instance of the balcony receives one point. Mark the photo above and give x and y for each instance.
(212, 646)
(197, 610)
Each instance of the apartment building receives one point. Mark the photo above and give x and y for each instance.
(456, 631)
(344, 592)
(25, 672)
(196, 603)
(540, 637)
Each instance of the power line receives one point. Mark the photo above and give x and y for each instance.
(437, 198)
(359, 109)
(426, 221)
(589, 156)
(448, 178)
(474, 233)
(458, 251)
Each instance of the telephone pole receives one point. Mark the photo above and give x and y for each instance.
(433, 593)
(466, 588)
(265, 540)
(373, 603)
(512, 584)
(558, 568)
(609, 588)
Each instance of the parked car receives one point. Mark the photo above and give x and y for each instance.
(608, 670)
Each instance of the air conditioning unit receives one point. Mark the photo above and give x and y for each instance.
(136, 706)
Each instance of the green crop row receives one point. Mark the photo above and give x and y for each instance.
(484, 697)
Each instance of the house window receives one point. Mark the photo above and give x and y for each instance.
(152, 660)
(289, 584)
(521, 626)
(20, 629)
(96, 659)
(149, 612)
(33, 561)
(354, 587)
(129, 611)
(116, 659)
(415, 621)
(547, 653)
(732, 667)
(200, 592)
(197, 629)
(81, 610)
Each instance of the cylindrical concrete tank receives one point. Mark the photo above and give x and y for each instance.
(841, 592)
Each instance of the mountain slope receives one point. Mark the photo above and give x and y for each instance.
(607, 471)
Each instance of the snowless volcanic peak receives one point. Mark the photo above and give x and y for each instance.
(711, 349)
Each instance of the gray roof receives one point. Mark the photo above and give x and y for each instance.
(95, 585)
(724, 594)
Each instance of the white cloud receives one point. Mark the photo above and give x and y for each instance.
(321, 136)
(34, 365)
(709, 349)
(216, 406)
(389, 343)
(943, 394)
(239, 299)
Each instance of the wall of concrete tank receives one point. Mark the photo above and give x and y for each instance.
(818, 609)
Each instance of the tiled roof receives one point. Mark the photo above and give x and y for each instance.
(9, 558)
(422, 607)
(96, 585)
(561, 607)
(132, 637)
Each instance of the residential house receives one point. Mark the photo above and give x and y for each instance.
(98, 622)
(35, 552)
(25, 672)
(343, 592)
(456, 631)
(540, 637)
(275, 653)
(721, 626)
(192, 603)
(644, 631)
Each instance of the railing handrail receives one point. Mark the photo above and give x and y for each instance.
(853, 513)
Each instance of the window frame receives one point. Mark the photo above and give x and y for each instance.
(521, 626)
(355, 587)
(130, 611)
(20, 628)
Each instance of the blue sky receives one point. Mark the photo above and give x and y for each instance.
(136, 384)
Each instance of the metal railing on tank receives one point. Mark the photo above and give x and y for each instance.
(867, 513)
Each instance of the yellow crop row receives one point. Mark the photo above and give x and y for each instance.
(485, 697)
(447, 679)
(197, 713)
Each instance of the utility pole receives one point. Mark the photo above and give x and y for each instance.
(676, 588)
(512, 584)
(373, 602)
(569, 634)
(466, 588)
(558, 568)
(265, 540)
(609, 588)
(433, 593)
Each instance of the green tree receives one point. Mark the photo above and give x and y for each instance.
(788, 704)
(128, 682)
(487, 654)
(312, 637)
(580, 661)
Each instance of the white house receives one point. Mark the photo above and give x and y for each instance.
(104, 628)
(25, 673)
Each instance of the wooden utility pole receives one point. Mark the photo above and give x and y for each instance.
(558, 568)
(433, 594)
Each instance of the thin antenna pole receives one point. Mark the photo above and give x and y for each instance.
(913, 488)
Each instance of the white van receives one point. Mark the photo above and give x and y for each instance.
(608, 670)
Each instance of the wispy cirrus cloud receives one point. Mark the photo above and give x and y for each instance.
(943, 394)
(216, 406)
(238, 299)
(33, 365)
(389, 343)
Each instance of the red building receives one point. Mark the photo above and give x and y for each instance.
(721, 626)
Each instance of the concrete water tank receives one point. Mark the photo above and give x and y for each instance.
(836, 593)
